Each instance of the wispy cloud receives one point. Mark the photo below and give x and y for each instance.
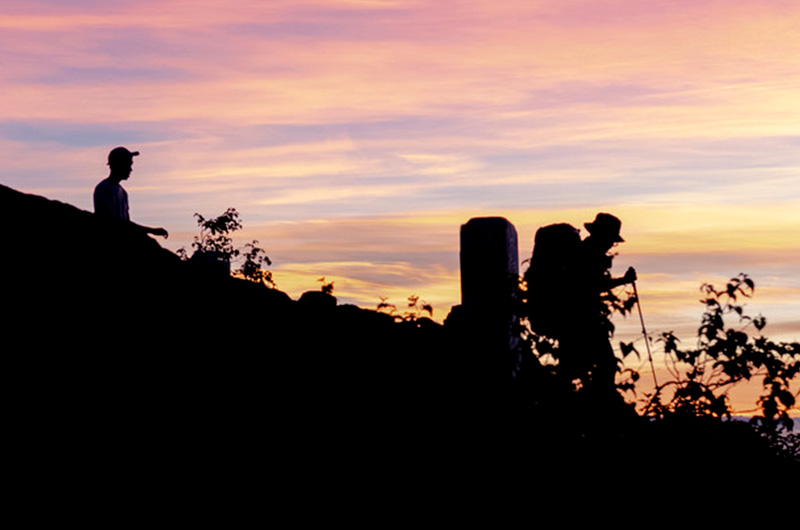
(355, 136)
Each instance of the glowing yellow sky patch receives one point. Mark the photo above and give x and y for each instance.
(351, 285)
(670, 300)
(678, 227)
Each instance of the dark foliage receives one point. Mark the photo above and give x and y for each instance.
(725, 356)
(252, 268)
(692, 406)
(215, 244)
(415, 309)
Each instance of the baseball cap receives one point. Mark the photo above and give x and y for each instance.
(119, 154)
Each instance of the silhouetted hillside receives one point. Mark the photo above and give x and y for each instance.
(95, 304)
(119, 347)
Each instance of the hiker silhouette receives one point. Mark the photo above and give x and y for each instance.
(111, 199)
(570, 283)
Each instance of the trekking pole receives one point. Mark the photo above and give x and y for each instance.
(644, 332)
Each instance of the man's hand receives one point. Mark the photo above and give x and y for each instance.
(159, 232)
(630, 275)
(150, 230)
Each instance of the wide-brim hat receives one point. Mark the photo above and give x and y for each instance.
(606, 225)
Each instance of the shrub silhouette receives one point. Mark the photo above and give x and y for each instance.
(253, 266)
(693, 404)
(215, 243)
(415, 307)
(725, 356)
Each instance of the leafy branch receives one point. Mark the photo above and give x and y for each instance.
(252, 268)
(723, 357)
(215, 243)
(215, 234)
(415, 308)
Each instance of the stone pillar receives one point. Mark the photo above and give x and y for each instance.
(489, 275)
(489, 257)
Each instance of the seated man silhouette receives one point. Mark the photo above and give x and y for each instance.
(111, 199)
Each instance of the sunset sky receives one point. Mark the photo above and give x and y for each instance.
(355, 136)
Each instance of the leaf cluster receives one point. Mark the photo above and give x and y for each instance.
(215, 234)
(252, 268)
(723, 357)
(546, 347)
(327, 287)
(215, 240)
(415, 309)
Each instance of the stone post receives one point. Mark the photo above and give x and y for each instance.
(489, 274)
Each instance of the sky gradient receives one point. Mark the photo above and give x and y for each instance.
(355, 136)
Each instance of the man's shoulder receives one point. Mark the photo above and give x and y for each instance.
(107, 186)
(103, 187)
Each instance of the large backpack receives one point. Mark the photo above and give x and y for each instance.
(550, 277)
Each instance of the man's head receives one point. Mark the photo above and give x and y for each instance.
(120, 160)
(606, 227)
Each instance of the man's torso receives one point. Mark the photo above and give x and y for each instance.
(111, 199)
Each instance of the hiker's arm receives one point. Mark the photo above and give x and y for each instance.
(150, 230)
(630, 277)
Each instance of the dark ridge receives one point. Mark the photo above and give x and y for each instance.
(123, 359)
(78, 286)
(98, 312)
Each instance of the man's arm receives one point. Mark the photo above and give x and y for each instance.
(150, 230)
(630, 277)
